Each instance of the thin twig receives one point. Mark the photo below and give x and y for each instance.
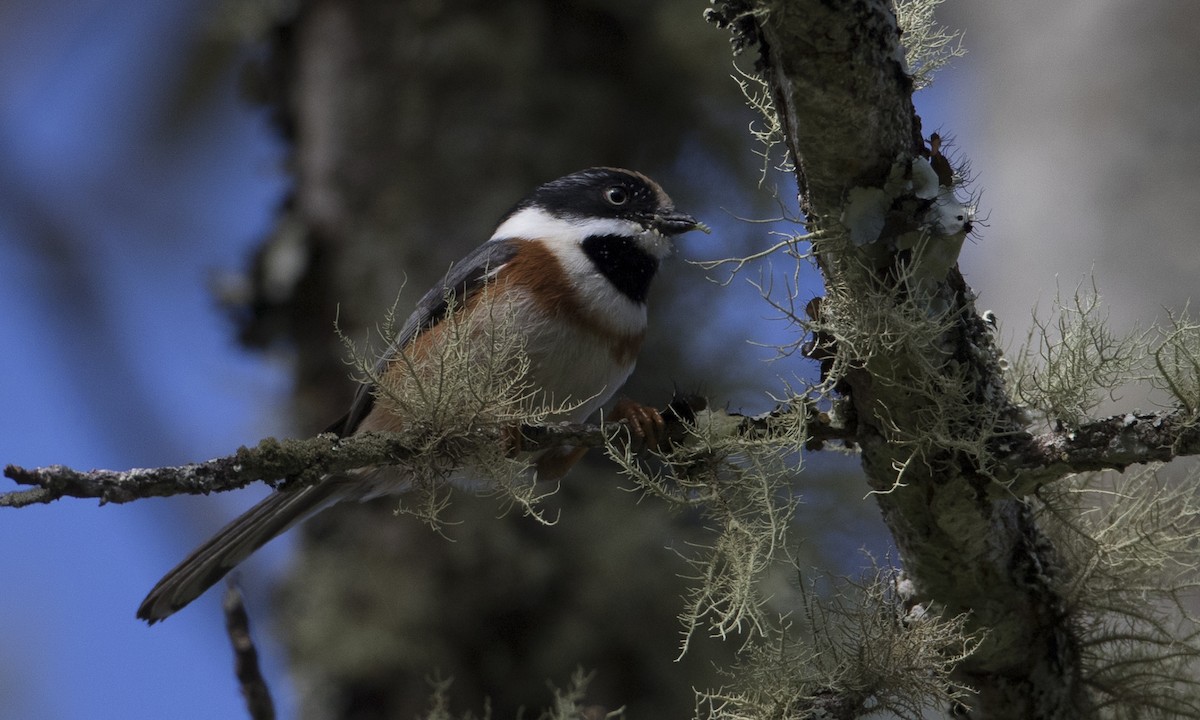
(245, 656)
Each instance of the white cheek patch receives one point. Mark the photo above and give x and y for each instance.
(530, 223)
(533, 223)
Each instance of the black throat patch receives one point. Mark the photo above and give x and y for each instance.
(618, 258)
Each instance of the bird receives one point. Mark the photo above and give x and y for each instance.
(571, 264)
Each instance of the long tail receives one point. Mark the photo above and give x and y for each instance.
(232, 544)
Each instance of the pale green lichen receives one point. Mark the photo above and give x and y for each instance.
(568, 702)
(1177, 364)
(1073, 361)
(742, 486)
(768, 133)
(864, 650)
(458, 405)
(1131, 584)
(928, 47)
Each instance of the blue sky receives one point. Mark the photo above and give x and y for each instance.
(113, 217)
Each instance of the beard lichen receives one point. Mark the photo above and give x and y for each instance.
(458, 397)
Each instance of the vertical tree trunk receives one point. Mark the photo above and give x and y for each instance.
(843, 95)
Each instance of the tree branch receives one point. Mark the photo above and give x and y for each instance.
(298, 462)
(1112, 443)
(294, 463)
(245, 656)
(279, 463)
(1029, 461)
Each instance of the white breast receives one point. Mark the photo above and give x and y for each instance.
(572, 365)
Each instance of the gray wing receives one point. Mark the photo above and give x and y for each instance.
(465, 278)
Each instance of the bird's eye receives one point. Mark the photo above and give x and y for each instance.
(616, 195)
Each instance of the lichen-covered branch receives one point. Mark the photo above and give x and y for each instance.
(282, 463)
(1112, 443)
(293, 462)
(289, 463)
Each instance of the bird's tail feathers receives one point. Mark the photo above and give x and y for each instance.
(234, 543)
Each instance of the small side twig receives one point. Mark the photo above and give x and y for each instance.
(245, 656)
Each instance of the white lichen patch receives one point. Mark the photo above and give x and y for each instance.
(924, 182)
(865, 213)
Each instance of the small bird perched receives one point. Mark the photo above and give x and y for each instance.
(571, 265)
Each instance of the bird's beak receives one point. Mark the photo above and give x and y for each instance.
(673, 223)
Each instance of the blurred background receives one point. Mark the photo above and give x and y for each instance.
(170, 270)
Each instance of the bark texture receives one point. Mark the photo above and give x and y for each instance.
(844, 101)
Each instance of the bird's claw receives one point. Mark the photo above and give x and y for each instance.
(646, 424)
